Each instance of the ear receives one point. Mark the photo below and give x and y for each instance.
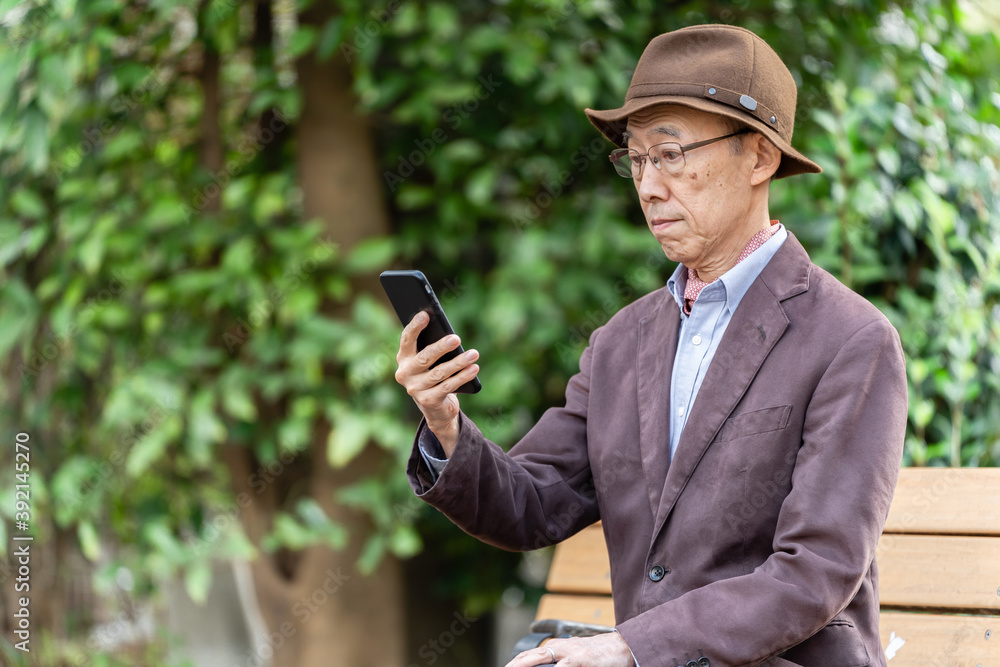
(767, 156)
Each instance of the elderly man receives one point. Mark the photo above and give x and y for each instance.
(738, 432)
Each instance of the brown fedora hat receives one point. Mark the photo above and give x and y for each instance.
(720, 69)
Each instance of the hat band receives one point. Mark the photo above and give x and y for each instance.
(743, 102)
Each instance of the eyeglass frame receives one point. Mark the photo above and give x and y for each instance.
(619, 153)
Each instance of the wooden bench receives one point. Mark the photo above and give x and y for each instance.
(939, 573)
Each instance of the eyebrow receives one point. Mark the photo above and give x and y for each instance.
(668, 130)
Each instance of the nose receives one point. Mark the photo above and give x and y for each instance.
(652, 184)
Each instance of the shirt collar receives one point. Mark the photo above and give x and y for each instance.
(736, 281)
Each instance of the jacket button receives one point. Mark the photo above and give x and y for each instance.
(704, 662)
(691, 663)
(656, 572)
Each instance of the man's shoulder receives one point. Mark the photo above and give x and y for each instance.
(839, 302)
(642, 308)
(808, 290)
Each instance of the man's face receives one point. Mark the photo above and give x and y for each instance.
(702, 215)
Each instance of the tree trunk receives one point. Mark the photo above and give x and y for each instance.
(318, 609)
(363, 625)
(321, 611)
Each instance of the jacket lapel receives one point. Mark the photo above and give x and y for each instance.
(755, 328)
(654, 364)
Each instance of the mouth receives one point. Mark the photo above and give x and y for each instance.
(662, 223)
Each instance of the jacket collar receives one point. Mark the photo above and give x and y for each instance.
(755, 328)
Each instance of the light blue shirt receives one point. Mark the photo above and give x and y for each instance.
(702, 330)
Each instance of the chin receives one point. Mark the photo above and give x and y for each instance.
(671, 252)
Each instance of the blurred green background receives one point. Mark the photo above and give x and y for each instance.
(197, 197)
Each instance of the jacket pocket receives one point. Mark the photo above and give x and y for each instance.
(839, 643)
(752, 423)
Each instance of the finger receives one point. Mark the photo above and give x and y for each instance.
(452, 384)
(438, 374)
(532, 657)
(438, 393)
(408, 339)
(427, 356)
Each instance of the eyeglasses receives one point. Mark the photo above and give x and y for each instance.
(667, 156)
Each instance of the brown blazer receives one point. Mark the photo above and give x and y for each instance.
(756, 544)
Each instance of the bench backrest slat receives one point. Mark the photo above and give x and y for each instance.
(580, 564)
(951, 573)
(946, 501)
(597, 609)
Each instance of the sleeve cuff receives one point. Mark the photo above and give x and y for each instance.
(634, 661)
(432, 453)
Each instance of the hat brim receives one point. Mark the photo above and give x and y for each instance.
(611, 123)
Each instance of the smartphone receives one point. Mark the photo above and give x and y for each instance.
(410, 293)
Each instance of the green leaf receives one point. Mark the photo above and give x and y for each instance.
(294, 434)
(204, 429)
(167, 212)
(347, 437)
(908, 209)
(239, 256)
(922, 413)
(371, 554)
(90, 543)
(159, 535)
(301, 41)
(36, 139)
(121, 145)
(311, 512)
(9, 72)
(6, 6)
(407, 19)
(55, 79)
(412, 197)
(827, 121)
(329, 40)
(233, 544)
(479, 187)
(8, 121)
(151, 447)
(91, 254)
(443, 20)
(889, 160)
(26, 203)
(113, 315)
(72, 484)
(198, 580)
(463, 150)
(405, 542)
(288, 533)
(237, 402)
(372, 254)
(20, 312)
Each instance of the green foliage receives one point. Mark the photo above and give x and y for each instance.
(47, 651)
(146, 331)
(911, 219)
(143, 331)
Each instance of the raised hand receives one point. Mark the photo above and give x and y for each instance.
(432, 389)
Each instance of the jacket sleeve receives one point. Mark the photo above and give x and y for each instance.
(537, 495)
(828, 525)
